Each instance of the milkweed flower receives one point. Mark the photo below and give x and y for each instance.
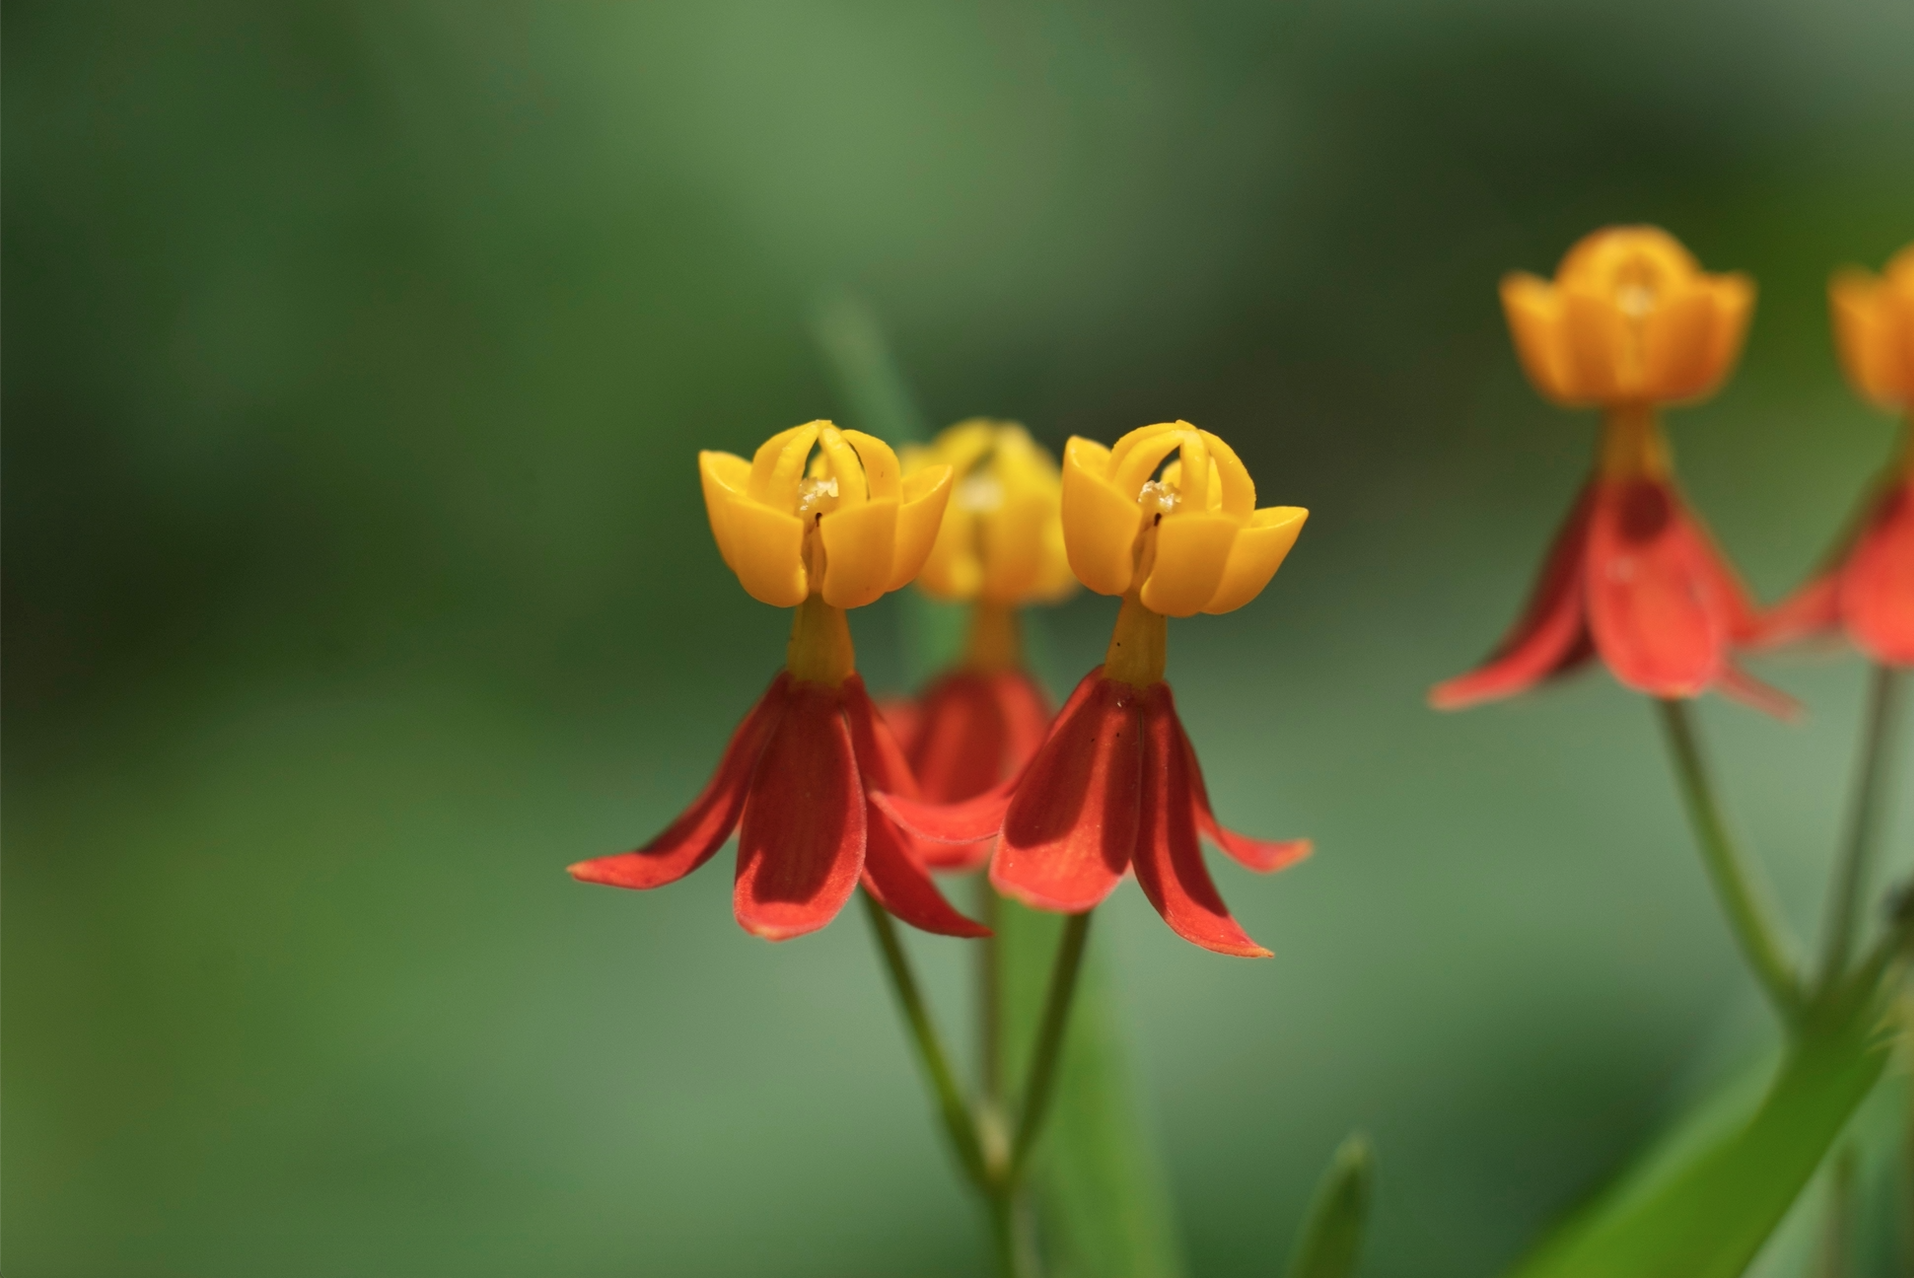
(1866, 587)
(1000, 548)
(796, 778)
(1115, 785)
(1630, 322)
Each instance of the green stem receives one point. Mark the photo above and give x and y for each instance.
(1056, 1018)
(1742, 895)
(1865, 820)
(930, 1049)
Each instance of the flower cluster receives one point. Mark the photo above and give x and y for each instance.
(820, 790)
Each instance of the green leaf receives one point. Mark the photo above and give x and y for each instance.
(1103, 1204)
(1332, 1233)
(1701, 1203)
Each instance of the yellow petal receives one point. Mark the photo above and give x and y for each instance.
(1534, 312)
(925, 502)
(725, 476)
(1864, 334)
(1734, 302)
(767, 552)
(880, 463)
(1100, 524)
(779, 464)
(859, 541)
(1012, 544)
(1598, 350)
(952, 570)
(1677, 351)
(1192, 549)
(1255, 555)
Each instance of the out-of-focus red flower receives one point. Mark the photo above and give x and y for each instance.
(1633, 576)
(1115, 785)
(999, 549)
(797, 777)
(974, 730)
(1865, 589)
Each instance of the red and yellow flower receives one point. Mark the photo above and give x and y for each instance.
(1629, 322)
(1116, 786)
(820, 535)
(1000, 548)
(1865, 589)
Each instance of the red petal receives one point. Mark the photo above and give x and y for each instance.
(1265, 856)
(704, 826)
(976, 731)
(1169, 864)
(1072, 823)
(1719, 577)
(1814, 609)
(902, 716)
(1026, 716)
(1652, 605)
(802, 846)
(966, 822)
(1741, 686)
(1550, 637)
(1877, 583)
(959, 751)
(881, 762)
(904, 888)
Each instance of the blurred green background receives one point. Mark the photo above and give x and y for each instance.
(356, 580)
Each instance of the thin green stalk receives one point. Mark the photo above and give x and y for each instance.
(1866, 818)
(990, 997)
(1743, 896)
(1050, 1033)
(930, 1049)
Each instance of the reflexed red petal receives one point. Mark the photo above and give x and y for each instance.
(1814, 609)
(1737, 684)
(959, 750)
(1652, 605)
(902, 716)
(1265, 856)
(1026, 714)
(880, 760)
(903, 887)
(966, 822)
(801, 849)
(1169, 863)
(1551, 636)
(704, 826)
(1721, 580)
(976, 731)
(1877, 583)
(1071, 826)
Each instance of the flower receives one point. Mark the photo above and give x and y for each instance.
(795, 780)
(1000, 547)
(1001, 541)
(1866, 587)
(1633, 576)
(1115, 785)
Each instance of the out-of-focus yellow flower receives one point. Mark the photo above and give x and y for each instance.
(847, 528)
(1874, 328)
(1189, 542)
(1631, 318)
(1002, 540)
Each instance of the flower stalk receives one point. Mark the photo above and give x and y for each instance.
(1865, 821)
(1743, 896)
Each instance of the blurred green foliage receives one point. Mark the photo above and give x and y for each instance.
(356, 581)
